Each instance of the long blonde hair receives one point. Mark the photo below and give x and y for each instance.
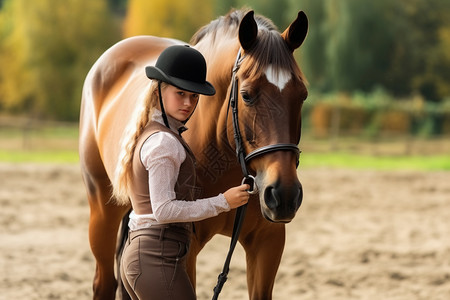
(141, 117)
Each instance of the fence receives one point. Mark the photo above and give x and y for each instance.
(332, 123)
(378, 124)
(25, 134)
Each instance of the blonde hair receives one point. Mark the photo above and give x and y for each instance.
(140, 118)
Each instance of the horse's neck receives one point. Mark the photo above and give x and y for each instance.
(208, 125)
(208, 133)
(211, 111)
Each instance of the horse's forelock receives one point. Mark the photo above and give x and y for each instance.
(270, 50)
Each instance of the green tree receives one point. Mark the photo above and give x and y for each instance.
(275, 10)
(57, 41)
(15, 78)
(425, 23)
(222, 7)
(359, 44)
(118, 7)
(178, 19)
(362, 44)
(312, 54)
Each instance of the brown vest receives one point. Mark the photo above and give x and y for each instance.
(185, 186)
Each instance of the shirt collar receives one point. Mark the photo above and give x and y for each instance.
(175, 125)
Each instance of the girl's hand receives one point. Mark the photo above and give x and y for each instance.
(237, 196)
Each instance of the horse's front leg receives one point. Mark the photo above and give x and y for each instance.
(264, 249)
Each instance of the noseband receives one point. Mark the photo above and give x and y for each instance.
(249, 179)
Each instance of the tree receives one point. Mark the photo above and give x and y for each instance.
(222, 7)
(15, 77)
(274, 10)
(427, 23)
(363, 44)
(57, 42)
(312, 54)
(178, 19)
(359, 43)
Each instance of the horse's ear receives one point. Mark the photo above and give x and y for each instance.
(248, 30)
(295, 34)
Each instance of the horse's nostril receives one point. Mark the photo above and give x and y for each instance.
(271, 197)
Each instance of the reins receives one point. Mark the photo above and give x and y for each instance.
(240, 153)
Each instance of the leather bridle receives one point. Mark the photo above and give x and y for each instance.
(240, 151)
(243, 159)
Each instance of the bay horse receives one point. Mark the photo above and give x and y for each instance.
(270, 93)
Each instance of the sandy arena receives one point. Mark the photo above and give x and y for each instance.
(358, 235)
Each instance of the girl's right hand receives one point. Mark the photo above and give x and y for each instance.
(237, 196)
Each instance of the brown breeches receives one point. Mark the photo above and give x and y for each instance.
(153, 264)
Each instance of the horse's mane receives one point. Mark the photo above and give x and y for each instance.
(270, 49)
(229, 24)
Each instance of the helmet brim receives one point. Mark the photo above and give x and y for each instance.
(205, 88)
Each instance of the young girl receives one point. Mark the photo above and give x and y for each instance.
(156, 172)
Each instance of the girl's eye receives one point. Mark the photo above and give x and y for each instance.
(181, 93)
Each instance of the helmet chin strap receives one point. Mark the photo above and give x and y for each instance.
(163, 112)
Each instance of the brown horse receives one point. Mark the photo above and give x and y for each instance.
(271, 94)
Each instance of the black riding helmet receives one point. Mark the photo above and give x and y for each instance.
(183, 67)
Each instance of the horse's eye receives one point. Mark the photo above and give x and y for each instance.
(247, 98)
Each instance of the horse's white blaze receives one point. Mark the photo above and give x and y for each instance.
(278, 78)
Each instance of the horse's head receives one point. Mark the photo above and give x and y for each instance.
(271, 90)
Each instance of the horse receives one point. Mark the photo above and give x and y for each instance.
(270, 90)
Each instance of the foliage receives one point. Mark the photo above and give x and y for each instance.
(274, 10)
(118, 7)
(361, 44)
(48, 46)
(374, 114)
(15, 78)
(46, 49)
(177, 19)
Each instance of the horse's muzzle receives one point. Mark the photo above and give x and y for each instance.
(280, 203)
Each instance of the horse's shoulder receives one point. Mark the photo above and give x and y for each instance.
(140, 46)
(133, 52)
(122, 61)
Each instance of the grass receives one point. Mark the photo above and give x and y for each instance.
(40, 144)
(307, 160)
(39, 156)
(58, 144)
(385, 162)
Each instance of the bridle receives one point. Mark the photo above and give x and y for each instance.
(243, 159)
(240, 151)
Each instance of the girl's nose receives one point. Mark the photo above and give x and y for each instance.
(187, 101)
(190, 101)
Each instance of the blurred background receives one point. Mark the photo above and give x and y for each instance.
(378, 71)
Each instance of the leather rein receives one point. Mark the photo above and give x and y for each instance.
(248, 178)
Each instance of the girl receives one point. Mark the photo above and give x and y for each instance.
(156, 172)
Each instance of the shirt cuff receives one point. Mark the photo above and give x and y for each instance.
(222, 204)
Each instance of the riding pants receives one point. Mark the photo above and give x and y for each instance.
(153, 265)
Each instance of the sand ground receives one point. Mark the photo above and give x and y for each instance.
(358, 235)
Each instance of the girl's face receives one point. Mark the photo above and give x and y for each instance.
(178, 103)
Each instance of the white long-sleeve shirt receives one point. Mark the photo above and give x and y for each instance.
(162, 155)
